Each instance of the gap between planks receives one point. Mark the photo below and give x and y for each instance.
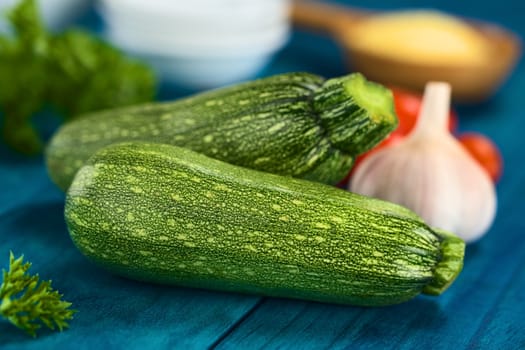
(236, 324)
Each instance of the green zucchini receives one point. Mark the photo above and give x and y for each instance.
(294, 124)
(166, 214)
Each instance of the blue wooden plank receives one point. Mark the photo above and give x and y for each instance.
(504, 324)
(287, 324)
(14, 191)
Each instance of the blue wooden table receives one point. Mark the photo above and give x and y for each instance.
(484, 309)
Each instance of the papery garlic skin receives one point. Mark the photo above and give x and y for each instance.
(430, 173)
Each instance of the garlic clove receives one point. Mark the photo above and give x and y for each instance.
(430, 173)
(478, 197)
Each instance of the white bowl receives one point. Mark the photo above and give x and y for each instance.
(181, 25)
(203, 11)
(206, 72)
(202, 43)
(204, 68)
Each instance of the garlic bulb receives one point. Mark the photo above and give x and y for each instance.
(430, 173)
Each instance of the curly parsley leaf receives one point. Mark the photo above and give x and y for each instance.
(72, 72)
(29, 303)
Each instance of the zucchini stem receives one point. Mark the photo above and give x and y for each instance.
(452, 250)
(356, 113)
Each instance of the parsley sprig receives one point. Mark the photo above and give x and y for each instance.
(71, 73)
(29, 303)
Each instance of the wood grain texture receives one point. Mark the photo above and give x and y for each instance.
(484, 309)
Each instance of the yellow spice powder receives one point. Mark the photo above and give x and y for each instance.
(420, 36)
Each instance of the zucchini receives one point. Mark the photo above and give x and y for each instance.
(165, 214)
(294, 124)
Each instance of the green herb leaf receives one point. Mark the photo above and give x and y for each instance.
(73, 72)
(28, 303)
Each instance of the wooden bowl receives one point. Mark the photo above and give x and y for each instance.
(470, 83)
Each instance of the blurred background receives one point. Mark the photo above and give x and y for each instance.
(208, 43)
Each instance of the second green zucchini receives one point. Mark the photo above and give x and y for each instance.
(294, 124)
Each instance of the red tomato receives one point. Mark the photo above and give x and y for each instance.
(407, 107)
(485, 152)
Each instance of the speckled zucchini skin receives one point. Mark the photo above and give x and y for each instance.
(294, 124)
(165, 214)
